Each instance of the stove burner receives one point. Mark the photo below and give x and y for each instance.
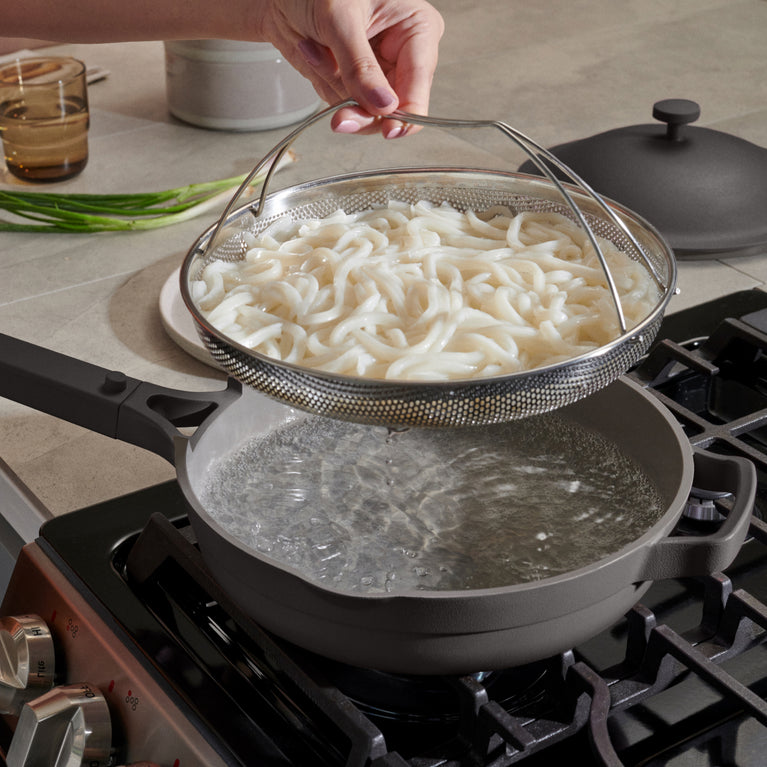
(717, 388)
(426, 698)
(427, 714)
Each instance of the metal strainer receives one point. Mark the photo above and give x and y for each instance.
(449, 403)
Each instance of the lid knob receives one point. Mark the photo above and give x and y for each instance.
(675, 113)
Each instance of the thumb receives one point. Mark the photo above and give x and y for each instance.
(362, 75)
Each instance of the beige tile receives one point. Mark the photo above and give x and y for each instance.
(700, 281)
(67, 467)
(498, 26)
(754, 267)
(609, 73)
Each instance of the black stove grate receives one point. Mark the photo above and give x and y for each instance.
(242, 685)
(317, 719)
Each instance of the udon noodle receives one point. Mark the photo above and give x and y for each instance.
(423, 292)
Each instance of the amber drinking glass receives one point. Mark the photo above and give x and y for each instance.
(44, 117)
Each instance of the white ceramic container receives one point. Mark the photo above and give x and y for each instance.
(233, 85)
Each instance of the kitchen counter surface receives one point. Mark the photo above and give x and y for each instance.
(556, 70)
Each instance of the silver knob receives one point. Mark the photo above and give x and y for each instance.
(26, 661)
(67, 726)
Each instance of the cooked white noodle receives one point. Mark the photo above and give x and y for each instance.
(423, 292)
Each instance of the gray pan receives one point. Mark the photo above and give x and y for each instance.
(423, 632)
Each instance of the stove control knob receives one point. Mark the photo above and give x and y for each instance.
(68, 725)
(26, 661)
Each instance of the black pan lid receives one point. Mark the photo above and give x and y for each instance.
(704, 190)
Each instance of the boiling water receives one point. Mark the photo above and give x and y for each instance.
(363, 509)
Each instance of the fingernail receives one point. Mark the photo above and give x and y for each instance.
(381, 97)
(347, 126)
(396, 131)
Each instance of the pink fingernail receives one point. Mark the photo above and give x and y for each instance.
(347, 126)
(396, 132)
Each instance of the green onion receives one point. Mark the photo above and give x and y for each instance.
(85, 213)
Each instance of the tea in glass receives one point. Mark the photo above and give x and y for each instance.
(44, 118)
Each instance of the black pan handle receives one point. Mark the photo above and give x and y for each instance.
(681, 556)
(102, 400)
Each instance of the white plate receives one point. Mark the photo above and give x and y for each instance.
(178, 323)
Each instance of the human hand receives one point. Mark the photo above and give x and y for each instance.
(381, 53)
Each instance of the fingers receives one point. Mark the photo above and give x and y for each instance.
(413, 51)
(381, 53)
(372, 97)
(320, 67)
(406, 50)
(329, 82)
(358, 68)
(356, 120)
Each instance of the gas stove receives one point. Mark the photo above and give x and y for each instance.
(151, 663)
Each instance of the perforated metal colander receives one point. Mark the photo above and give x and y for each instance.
(449, 403)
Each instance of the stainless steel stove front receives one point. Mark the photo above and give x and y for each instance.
(145, 723)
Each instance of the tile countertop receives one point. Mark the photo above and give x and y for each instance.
(556, 70)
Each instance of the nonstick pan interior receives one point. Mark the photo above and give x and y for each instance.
(459, 631)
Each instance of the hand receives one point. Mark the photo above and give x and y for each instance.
(381, 53)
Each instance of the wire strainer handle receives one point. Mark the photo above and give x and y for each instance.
(540, 157)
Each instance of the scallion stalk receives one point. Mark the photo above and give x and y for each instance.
(86, 213)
